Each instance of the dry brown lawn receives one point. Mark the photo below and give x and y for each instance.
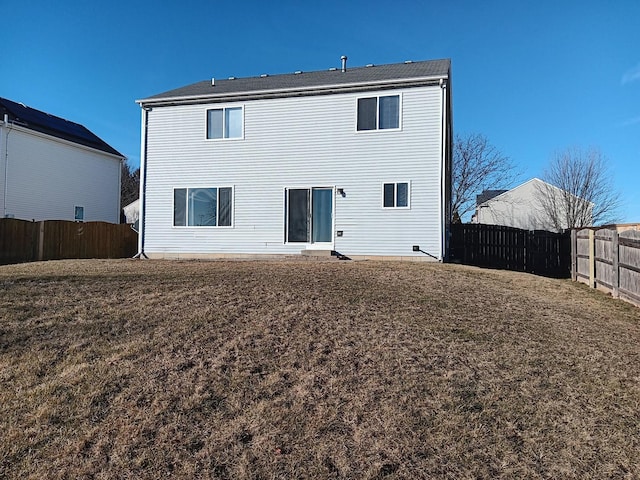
(269, 370)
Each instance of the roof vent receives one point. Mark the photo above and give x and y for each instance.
(298, 72)
(232, 78)
(264, 75)
(213, 82)
(369, 65)
(333, 69)
(408, 61)
(344, 62)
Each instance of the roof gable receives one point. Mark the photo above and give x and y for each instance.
(536, 182)
(43, 122)
(431, 69)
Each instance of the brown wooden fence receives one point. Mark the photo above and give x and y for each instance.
(24, 241)
(494, 246)
(608, 260)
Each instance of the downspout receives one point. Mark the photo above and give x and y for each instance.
(443, 173)
(6, 166)
(119, 212)
(143, 181)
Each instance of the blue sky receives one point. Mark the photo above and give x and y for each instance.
(533, 76)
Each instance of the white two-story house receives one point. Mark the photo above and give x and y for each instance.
(354, 161)
(55, 169)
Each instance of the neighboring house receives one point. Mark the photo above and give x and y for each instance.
(521, 207)
(132, 212)
(355, 161)
(54, 169)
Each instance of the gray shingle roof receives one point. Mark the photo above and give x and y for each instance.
(487, 195)
(432, 69)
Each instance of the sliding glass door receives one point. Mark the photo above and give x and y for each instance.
(309, 216)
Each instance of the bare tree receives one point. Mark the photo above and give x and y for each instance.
(579, 190)
(477, 166)
(129, 184)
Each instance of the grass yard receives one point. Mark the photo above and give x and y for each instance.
(281, 370)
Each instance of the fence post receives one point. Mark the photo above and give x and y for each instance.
(592, 259)
(41, 241)
(615, 253)
(574, 254)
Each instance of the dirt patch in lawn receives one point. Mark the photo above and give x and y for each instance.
(250, 370)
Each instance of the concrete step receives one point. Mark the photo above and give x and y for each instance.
(317, 253)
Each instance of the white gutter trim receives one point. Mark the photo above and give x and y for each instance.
(144, 121)
(5, 159)
(443, 154)
(316, 88)
(119, 215)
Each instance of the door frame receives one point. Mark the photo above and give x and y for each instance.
(310, 245)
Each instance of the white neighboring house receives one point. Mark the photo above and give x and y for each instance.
(132, 214)
(520, 207)
(54, 169)
(132, 211)
(353, 161)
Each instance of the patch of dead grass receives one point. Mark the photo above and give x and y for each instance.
(126, 369)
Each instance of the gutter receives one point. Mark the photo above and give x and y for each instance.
(6, 164)
(292, 92)
(443, 174)
(143, 182)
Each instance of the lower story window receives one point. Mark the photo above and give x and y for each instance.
(79, 214)
(395, 195)
(202, 207)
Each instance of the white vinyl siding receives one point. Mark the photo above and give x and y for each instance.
(47, 178)
(299, 141)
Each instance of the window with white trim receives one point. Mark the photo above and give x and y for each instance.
(202, 207)
(224, 123)
(395, 195)
(379, 113)
(78, 213)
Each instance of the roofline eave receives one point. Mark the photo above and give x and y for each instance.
(292, 92)
(21, 128)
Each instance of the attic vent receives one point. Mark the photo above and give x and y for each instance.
(298, 72)
(408, 61)
(264, 75)
(232, 78)
(369, 65)
(333, 69)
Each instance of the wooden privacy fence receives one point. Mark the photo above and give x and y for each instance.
(24, 241)
(607, 260)
(494, 246)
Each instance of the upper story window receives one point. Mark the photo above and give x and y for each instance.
(202, 207)
(224, 123)
(379, 113)
(395, 195)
